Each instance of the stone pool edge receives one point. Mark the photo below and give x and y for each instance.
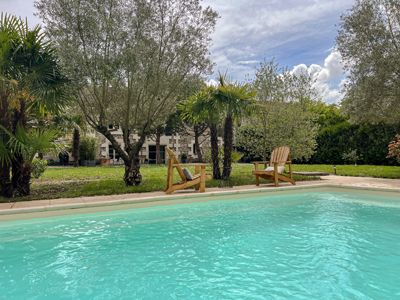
(175, 198)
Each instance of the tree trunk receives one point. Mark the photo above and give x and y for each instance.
(132, 174)
(197, 144)
(228, 147)
(130, 156)
(21, 169)
(6, 188)
(158, 154)
(76, 140)
(21, 177)
(214, 151)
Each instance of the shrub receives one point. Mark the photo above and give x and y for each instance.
(371, 141)
(236, 156)
(351, 156)
(38, 167)
(394, 148)
(88, 148)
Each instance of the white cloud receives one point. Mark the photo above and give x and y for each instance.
(250, 30)
(211, 82)
(328, 79)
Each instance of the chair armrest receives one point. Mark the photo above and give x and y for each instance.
(201, 165)
(281, 162)
(256, 163)
(190, 165)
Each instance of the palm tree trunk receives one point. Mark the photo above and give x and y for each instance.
(6, 188)
(228, 147)
(76, 140)
(214, 151)
(158, 140)
(21, 177)
(21, 168)
(197, 144)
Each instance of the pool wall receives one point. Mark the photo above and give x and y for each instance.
(179, 198)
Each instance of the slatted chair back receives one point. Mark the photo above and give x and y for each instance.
(173, 162)
(280, 155)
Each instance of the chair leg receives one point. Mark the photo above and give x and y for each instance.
(276, 174)
(203, 180)
(257, 180)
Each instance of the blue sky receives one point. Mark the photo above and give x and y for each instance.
(299, 34)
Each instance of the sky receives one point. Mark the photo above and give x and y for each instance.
(298, 34)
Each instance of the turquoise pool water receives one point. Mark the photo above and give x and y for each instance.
(313, 245)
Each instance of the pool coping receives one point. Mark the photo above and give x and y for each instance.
(183, 196)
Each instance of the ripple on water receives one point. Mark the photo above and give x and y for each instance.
(306, 246)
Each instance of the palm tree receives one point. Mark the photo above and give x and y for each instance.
(70, 121)
(236, 101)
(204, 107)
(25, 144)
(32, 91)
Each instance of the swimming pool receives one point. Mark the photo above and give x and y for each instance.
(312, 244)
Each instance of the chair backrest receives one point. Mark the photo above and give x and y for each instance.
(174, 161)
(280, 155)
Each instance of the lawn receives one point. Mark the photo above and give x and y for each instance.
(90, 181)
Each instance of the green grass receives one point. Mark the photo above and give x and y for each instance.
(351, 170)
(91, 181)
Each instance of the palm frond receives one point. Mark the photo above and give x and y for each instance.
(29, 142)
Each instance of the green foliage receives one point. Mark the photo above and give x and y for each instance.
(282, 124)
(38, 167)
(236, 155)
(368, 40)
(282, 115)
(326, 114)
(274, 83)
(351, 156)
(32, 91)
(27, 142)
(370, 141)
(129, 61)
(394, 148)
(88, 148)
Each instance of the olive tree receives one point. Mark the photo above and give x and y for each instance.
(128, 59)
(369, 42)
(282, 116)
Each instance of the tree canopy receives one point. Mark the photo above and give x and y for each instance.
(32, 91)
(128, 60)
(283, 115)
(369, 42)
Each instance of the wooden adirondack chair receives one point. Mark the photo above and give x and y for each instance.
(198, 181)
(275, 167)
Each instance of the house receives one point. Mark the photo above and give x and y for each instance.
(179, 143)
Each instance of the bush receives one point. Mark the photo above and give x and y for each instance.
(394, 148)
(351, 156)
(38, 167)
(370, 140)
(236, 156)
(88, 148)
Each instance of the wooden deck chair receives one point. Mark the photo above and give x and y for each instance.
(198, 181)
(275, 167)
